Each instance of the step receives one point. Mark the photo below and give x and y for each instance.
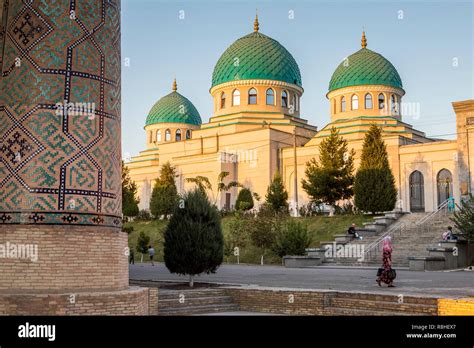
(196, 301)
(392, 306)
(175, 294)
(361, 312)
(199, 309)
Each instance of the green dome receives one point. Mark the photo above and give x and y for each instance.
(256, 56)
(365, 67)
(173, 108)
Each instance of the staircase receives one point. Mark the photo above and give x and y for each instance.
(411, 235)
(191, 302)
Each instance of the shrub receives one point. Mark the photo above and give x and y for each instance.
(244, 200)
(292, 239)
(143, 215)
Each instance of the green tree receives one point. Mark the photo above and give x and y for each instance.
(142, 243)
(292, 239)
(244, 200)
(277, 196)
(264, 228)
(464, 219)
(374, 185)
(129, 192)
(238, 236)
(204, 185)
(331, 178)
(164, 196)
(193, 240)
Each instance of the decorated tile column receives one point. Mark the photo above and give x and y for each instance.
(60, 152)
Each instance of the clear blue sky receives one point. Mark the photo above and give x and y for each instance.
(422, 46)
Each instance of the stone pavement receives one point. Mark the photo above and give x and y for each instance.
(447, 284)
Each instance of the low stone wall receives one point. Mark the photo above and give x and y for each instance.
(321, 302)
(132, 301)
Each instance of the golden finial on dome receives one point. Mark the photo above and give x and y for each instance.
(364, 40)
(256, 25)
(175, 85)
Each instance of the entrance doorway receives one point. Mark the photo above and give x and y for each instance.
(417, 192)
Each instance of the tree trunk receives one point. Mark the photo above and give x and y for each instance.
(261, 261)
(331, 210)
(238, 260)
(142, 258)
(191, 281)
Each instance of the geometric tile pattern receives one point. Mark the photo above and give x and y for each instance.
(365, 67)
(256, 56)
(60, 150)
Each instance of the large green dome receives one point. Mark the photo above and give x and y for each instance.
(365, 67)
(256, 56)
(173, 108)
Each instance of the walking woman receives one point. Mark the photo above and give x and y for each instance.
(387, 275)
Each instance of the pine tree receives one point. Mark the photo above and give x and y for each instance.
(129, 192)
(374, 186)
(164, 196)
(464, 219)
(142, 243)
(194, 242)
(331, 178)
(277, 196)
(244, 200)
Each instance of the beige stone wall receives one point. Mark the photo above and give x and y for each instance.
(465, 142)
(70, 258)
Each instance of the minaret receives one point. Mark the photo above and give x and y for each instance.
(60, 161)
(363, 41)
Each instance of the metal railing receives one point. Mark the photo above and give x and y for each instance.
(375, 248)
(442, 208)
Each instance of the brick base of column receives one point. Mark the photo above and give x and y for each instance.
(132, 301)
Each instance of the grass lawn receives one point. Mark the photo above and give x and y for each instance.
(321, 228)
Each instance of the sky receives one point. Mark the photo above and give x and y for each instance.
(430, 43)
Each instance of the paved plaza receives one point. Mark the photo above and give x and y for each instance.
(447, 284)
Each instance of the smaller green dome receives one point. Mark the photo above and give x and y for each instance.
(173, 108)
(365, 67)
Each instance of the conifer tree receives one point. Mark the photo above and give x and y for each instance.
(244, 200)
(331, 178)
(164, 196)
(277, 196)
(464, 219)
(374, 186)
(129, 192)
(194, 242)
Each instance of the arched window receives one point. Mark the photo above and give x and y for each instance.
(236, 97)
(368, 101)
(252, 96)
(381, 101)
(334, 106)
(393, 104)
(284, 99)
(297, 102)
(168, 135)
(223, 100)
(158, 136)
(150, 137)
(354, 102)
(343, 104)
(188, 134)
(178, 135)
(270, 98)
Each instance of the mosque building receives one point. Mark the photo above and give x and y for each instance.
(258, 128)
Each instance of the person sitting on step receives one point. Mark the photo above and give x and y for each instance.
(352, 231)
